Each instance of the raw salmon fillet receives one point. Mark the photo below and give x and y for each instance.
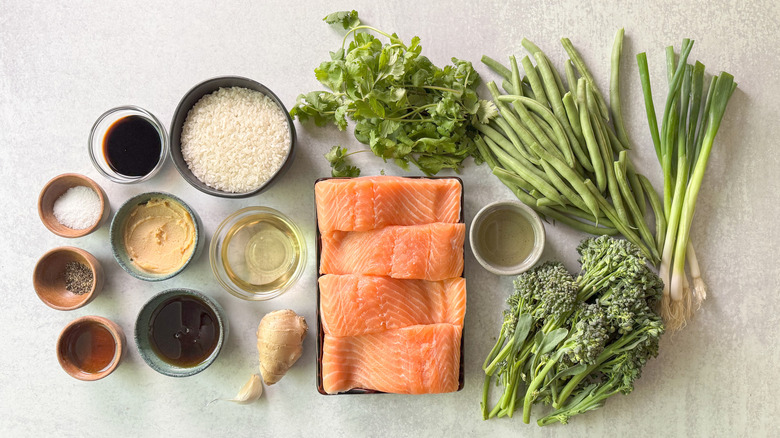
(420, 359)
(425, 252)
(353, 305)
(367, 203)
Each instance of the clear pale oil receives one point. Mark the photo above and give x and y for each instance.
(506, 238)
(260, 253)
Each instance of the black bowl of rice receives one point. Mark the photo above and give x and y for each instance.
(231, 137)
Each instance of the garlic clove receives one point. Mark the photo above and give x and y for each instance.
(251, 391)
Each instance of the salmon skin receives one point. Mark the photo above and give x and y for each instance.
(367, 203)
(420, 359)
(352, 305)
(424, 252)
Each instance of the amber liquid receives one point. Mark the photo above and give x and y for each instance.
(183, 331)
(90, 347)
(132, 146)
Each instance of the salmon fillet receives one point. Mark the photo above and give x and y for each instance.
(425, 252)
(353, 305)
(367, 203)
(420, 359)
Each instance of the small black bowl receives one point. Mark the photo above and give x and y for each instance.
(180, 115)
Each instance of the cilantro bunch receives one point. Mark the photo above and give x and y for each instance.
(405, 108)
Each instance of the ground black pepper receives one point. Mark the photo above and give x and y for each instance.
(78, 278)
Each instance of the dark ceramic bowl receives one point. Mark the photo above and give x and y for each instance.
(144, 345)
(180, 115)
(118, 242)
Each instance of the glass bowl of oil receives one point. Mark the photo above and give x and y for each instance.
(257, 253)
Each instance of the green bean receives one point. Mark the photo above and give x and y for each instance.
(580, 147)
(530, 46)
(612, 187)
(624, 229)
(614, 90)
(537, 133)
(636, 186)
(520, 175)
(579, 63)
(564, 148)
(533, 49)
(507, 86)
(501, 149)
(571, 77)
(545, 202)
(527, 91)
(500, 139)
(617, 146)
(639, 219)
(511, 134)
(658, 210)
(606, 155)
(547, 130)
(546, 212)
(548, 79)
(581, 90)
(520, 160)
(497, 67)
(577, 225)
(483, 150)
(573, 114)
(517, 83)
(519, 135)
(576, 212)
(533, 79)
(563, 189)
(571, 176)
(593, 148)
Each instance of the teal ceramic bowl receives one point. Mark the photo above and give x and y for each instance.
(143, 324)
(118, 243)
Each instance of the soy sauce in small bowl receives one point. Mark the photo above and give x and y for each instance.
(128, 144)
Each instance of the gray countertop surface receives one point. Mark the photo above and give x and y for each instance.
(63, 63)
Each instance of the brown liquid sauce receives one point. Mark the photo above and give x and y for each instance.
(183, 331)
(90, 347)
(132, 146)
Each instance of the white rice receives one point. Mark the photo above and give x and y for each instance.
(235, 139)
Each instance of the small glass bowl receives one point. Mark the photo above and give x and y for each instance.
(226, 234)
(98, 133)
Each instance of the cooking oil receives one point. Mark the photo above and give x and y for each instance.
(506, 238)
(261, 252)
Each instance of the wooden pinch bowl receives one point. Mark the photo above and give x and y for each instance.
(72, 368)
(49, 278)
(54, 189)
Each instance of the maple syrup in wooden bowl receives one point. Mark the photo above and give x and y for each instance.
(90, 347)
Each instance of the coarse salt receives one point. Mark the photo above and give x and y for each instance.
(78, 208)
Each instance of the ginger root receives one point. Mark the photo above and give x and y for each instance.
(279, 343)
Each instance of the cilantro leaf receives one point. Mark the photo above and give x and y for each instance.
(337, 156)
(347, 19)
